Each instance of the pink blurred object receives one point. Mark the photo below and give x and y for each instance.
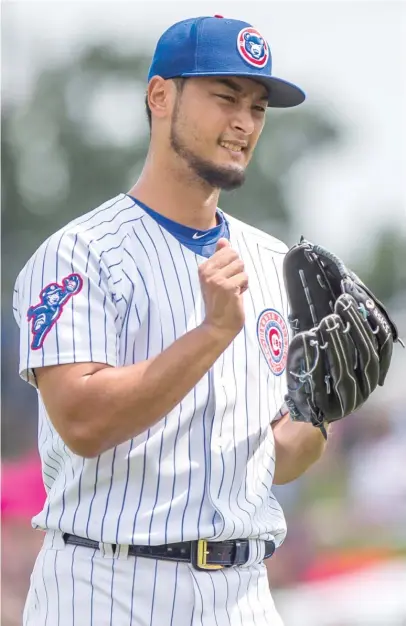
(22, 490)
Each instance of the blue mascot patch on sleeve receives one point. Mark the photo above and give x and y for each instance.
(46, 313)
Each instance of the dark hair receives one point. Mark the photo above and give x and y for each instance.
(179, 82)
(148, 110)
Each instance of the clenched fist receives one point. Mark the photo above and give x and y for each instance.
(223, 282)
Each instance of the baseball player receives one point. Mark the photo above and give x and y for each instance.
(155, 331)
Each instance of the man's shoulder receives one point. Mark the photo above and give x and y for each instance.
(110, 219)
(99, 229)
(105, 219)
(252, 233)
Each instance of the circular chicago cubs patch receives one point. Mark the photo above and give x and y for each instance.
(273, 338)
(252, 47)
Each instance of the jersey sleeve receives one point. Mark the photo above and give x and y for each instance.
(64, 307)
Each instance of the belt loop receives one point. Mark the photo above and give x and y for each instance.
(106, 550)
(240, 552)
(121, 551)
(256, 552)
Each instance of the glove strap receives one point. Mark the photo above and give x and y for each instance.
(323, 431)
(296, 416)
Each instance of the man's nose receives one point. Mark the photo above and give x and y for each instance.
(243, 120)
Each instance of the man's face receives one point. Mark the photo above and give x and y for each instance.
(215, 126)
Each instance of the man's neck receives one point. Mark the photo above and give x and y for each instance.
(184, 199)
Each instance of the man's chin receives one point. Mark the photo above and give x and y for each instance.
(226, 177)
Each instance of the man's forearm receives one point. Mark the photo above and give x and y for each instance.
(114, 404)
(297, 446)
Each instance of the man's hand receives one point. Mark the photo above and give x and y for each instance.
(223, 282)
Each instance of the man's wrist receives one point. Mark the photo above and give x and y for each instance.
(216, 336)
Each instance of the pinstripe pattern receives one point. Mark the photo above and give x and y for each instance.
(204, 470)
(121, 591)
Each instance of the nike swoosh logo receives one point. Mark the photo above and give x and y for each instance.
(197, 236)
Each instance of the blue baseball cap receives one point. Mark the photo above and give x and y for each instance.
(217, 46)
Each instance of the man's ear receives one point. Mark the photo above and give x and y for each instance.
(159, 97)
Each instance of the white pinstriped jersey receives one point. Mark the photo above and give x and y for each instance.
(123, 290)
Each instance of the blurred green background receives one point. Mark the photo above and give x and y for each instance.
(74, 133)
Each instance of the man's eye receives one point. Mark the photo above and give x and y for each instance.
(260, 108)
(225, 97)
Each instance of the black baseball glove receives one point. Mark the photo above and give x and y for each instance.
(342, 337)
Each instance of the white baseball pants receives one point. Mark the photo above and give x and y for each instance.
(76, 586)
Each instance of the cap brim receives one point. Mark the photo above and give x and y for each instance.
(282, 94)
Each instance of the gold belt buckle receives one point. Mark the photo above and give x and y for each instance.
(199, 558)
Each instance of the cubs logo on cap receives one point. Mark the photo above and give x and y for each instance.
(274, 339)
(253, 47)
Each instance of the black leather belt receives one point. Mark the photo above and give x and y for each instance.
(204, 555)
